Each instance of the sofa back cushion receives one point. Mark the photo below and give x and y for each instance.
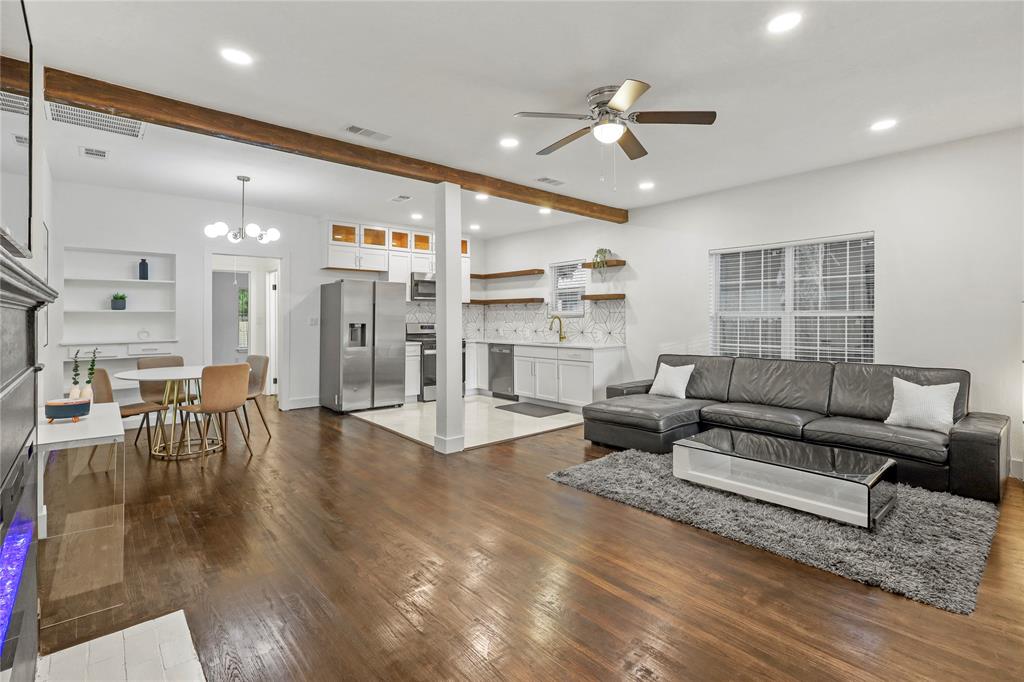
(865, 391)
(710, 378)
(797, 384)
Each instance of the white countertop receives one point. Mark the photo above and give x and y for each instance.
(552, 344)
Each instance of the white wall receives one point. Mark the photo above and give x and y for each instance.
(948, 228)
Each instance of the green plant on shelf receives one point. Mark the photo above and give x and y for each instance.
(601, 260)
(119, 297)
(75, 372)
(92, 367)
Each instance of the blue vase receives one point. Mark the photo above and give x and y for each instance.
(143, 269)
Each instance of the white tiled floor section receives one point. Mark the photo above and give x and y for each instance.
(157, 650)
(484, 424)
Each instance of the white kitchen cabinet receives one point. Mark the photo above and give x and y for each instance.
(342, 256)
(575, 382)
(522, 377)
(482, 366)
(373, 259)
(399, 268)
(465, 279)
(412, 371)
(371, 237)
(422, 262)
(545, 379)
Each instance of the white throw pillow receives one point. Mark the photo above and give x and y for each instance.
(922, 407)
(671, 381)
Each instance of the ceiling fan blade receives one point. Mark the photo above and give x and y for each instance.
(543, 114)
(634, 150)
(564, 141)
(703, 118)
(627, 94)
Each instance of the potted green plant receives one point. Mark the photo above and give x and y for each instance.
(76, 391)
(601, 260)
(90, 373)
(118, 301)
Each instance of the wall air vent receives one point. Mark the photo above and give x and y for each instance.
(92, 153)
(13, 104)
(119, 125)
(20, 140)
(401, 198)
(366, 132)
(549, 181)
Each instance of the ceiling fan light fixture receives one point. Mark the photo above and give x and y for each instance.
(608, 130)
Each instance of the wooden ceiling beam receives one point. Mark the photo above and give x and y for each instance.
(15, 76)
(96, 95)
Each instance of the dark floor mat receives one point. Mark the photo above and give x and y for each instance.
(531, 410)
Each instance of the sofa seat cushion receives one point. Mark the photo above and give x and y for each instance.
(784, 421)
(650, 412)
(867, 434)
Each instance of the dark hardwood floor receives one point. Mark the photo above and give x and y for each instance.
(342, 551)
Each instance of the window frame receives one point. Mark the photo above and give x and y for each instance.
(582, 287)
(789, 315)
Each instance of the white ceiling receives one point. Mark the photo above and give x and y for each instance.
(443, 79)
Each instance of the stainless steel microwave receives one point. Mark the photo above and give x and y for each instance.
(422, 286)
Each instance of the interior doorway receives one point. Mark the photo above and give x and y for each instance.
(245, 311)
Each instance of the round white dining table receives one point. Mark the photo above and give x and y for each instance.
(181, 385)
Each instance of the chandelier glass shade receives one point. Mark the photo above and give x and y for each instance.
(250, 231)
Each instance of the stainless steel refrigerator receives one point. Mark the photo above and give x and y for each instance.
(362, 344)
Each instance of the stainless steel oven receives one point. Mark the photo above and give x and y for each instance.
(422, 286)
(426, 335)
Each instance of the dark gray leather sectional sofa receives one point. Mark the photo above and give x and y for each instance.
(841, 404)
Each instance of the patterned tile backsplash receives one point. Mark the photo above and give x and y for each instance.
(602, 321)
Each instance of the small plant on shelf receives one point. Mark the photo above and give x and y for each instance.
(90, 373)
(118, 301)
(601, 260)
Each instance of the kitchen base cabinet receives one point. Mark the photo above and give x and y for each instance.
(575, 382)
(412, 372)
(545, 375)
(567, 376)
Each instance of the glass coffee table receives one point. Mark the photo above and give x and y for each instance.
(854, 487)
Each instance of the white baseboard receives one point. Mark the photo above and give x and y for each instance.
(1017, 468)
(449, 445)
(298, 403)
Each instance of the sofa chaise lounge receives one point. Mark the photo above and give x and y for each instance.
(841, 404)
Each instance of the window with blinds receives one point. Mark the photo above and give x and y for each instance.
(807, 300)
(568, 284)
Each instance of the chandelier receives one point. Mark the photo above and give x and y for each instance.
(220, 228)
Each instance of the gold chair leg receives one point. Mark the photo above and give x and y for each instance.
(264, 419)
(245, 436)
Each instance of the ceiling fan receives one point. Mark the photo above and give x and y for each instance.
(608, 117)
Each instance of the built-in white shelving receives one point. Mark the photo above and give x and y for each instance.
(148, 326)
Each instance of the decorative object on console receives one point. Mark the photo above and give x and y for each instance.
(76, 390)
(143, 269)
(119, 301)
(922, 407)
(671, 381)
(220, 228)
(67, 408)
(932, 547)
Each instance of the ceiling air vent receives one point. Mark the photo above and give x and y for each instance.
(13, 104)
(366, 132)
(401, 198)
(550, 181)
(119, 125)
(21, 140)
(92, 153)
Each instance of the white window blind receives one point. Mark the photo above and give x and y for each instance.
(568, 284)
(808, 301)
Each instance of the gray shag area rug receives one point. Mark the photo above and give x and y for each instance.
(931, 548)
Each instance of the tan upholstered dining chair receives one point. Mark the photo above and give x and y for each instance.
(260, 365)
(224, 390)
(103, 392)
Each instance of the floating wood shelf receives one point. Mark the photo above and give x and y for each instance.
(610, 263)
(603, 297)
(511, 273)
(504, 301)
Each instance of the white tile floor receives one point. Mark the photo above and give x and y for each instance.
(154, 651)
(484, 424)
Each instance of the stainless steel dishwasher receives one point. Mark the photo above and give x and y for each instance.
(501, 370)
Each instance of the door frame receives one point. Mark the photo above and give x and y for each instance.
(272, 280)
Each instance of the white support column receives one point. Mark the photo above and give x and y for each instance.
(451, 410)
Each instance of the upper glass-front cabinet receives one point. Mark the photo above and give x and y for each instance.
(401, 240)
(373, 237)
(423, 242)
(343, 234)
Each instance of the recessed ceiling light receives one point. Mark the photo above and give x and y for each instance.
(646, 185)
(474, 227)
(884, 124)
(509, 142)
(785, 22)
(236, 56)
(482, 197)
(416, 216)
(544, 210)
